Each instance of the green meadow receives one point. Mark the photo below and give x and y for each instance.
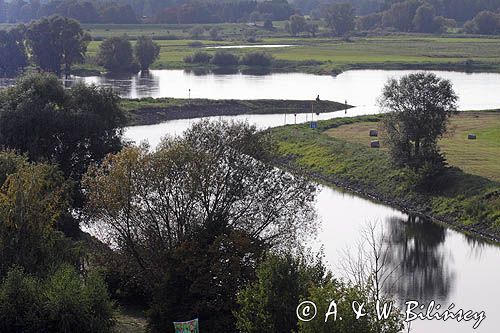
(468, 191)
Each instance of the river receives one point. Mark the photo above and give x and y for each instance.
(430, 261)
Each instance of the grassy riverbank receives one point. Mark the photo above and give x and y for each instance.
(470, 202)
(147, 111)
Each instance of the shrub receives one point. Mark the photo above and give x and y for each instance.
(198, 58)
(222, 59)
(257, 59)
(64, 302)
(195, 43)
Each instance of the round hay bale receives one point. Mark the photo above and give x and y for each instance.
(472, 137)
(373, 132)
(375, 144)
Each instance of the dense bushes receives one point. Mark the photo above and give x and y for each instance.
(226, 59)
(62, 302)
(198, 58)
(257, 59)
(486, 23)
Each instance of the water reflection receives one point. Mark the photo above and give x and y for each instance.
(419, 263)
(124, 84)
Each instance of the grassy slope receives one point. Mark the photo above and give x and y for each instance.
(154, 110)
(479, 157)
(467, 201)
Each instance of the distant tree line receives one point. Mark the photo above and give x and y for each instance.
(460, 10)
(83, 11)
(231, 11)
(152, 11)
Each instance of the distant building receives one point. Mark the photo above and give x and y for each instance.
(3, 11)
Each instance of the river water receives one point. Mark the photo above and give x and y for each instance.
(430, 261)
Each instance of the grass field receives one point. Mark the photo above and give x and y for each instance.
(327, 55)
(479, 157)
(337, 153)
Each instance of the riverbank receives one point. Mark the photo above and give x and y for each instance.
(147, 111)
(468, 202)
(329, 56)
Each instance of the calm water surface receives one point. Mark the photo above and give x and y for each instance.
(430, 262)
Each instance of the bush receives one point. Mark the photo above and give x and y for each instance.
(223, 59)
(195, 43)
(257, 59)
(63, 302)
(198, 58)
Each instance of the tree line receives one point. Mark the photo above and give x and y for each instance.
(56, 43)
(83, 11)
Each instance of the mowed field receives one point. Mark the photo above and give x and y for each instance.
(479, 157)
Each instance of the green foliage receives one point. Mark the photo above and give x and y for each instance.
(344, 295)
(224, 59)
(257, 59)
(56, 41)
(32, 199)
(72, 128)
(340, 18)
(13, 56)
(63, 302)
(296, 24)
(198, 57)
(197, 231)
(116, 55)
(455, 196)
(146, 51)
(196, 32)
(269, 303)
(486, 23)
(418, 109)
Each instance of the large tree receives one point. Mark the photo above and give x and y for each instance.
(116, 55)
(57, 42)
(418, 107)
(340, 18)
(195, 214)
(72, 128)
(13, 56)
(146, 51)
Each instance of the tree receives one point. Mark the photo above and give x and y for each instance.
(197, 208)
(214, 33)
(13, 56)
(486, 23)
(268, 304)
(32, 199)
(196, 32)
(56, 41)
(72, 128)
(296, 24)
(340, 18)
(424, 20)
(116, 55)
(312, 29)
(146, 51)
(418, 108)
